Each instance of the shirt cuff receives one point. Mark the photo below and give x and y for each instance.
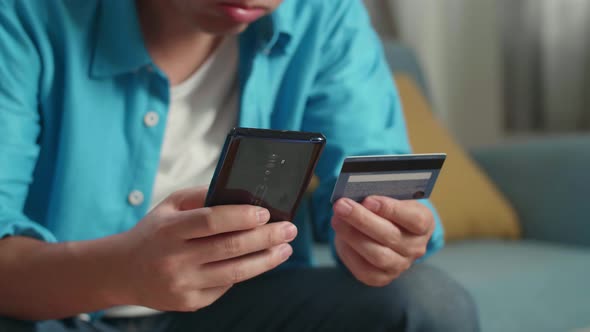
(24, 227)
(437, 240)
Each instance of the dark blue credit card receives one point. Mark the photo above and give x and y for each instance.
(407, 176)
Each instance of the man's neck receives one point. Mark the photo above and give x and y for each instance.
(174, 45)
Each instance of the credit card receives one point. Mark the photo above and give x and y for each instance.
(406, 176)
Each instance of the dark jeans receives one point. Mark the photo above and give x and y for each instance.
(309, 299)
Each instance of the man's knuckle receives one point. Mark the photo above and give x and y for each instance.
(175, 287)
(396, 267)
(419, 252)
(367, 280)
(403, 266)
(404, 250)
(191, 302)
(362, 220)
(400, 266)
(358, 213)
(423, 222)
(272, 261)
(175, 199)
(392, 210)
(231, 245)
(202, 256)
(205, 303)
(407, 266)
(237, 274)
(382, 206)
(377, 280)
(160, 228)
(250, 214)
(208, 221)
(394, 238)
(273, 237)
(383, 258)
(384, 280)
(172, 198)
(363, 277)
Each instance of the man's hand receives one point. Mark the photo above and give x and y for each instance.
(183, 256)
(380, 238)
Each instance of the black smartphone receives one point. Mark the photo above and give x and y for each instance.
(267, 168)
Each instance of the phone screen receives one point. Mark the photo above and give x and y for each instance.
(265, 168)
(271, 170)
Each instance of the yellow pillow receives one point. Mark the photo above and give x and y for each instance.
(468, 203)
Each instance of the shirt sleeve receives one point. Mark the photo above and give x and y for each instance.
(355, 104)
(20, 70)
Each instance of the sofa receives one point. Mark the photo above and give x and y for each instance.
(527, 266)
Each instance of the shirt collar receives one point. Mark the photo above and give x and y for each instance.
(120, 47)
(274, 32)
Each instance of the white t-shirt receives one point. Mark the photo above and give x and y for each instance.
(203, 109)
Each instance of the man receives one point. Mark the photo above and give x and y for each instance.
(108, 108)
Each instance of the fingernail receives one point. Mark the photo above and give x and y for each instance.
(343, 207)
(372, 204)
(289, 232)
(285, 251)
(263, 215)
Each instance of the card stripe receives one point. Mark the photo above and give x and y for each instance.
(391, 165)
(390, 177)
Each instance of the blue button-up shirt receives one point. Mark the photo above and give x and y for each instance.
(76, 82)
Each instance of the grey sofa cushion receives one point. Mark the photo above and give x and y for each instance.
(523, 285)
(546, 181)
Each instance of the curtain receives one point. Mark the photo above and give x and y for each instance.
(546, 51)
(498, 67)
(457, 42)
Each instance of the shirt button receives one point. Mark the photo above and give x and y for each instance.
(84, 317)
(135, 198)
(151, 119)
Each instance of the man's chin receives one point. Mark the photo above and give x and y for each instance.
(235, 29)
(225, 30)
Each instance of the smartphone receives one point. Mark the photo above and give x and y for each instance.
(267, 168)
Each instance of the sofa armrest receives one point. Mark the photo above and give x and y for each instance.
(548, 182)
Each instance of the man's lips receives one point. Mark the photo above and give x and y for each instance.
(242, 14)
